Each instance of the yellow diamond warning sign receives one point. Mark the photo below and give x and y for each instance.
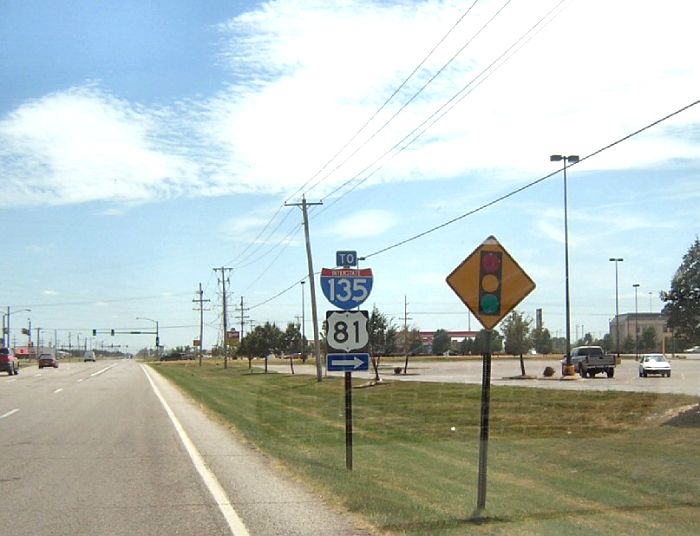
(490, 282)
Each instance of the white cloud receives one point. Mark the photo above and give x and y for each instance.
(362, 224)
(307, 75)
(50, 293)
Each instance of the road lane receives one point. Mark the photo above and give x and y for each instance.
(270, 502)
(91, 450)
(100, 458)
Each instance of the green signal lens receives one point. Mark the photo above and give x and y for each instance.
(490, 304)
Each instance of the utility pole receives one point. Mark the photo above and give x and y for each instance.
(405, 333)
(314, 313)
(223, 281)
(242, 318)
(200, 301)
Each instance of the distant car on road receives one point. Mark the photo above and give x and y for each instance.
(89, 356)
(47, 360)
(654, 364)
(692, 350)
(8, 362)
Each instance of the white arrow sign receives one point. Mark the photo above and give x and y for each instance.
(354, 362)
(348, 362)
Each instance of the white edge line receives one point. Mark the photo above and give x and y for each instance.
(217, 491)
(11, 412)
(101, 371)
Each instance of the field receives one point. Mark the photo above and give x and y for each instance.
(628, 463)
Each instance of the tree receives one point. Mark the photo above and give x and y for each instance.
(466, 347)
(516, 330)
(629, 345)
(292, 339)
(441, 342)
(683, 300)
(292, 343)
(606, 343)
(647, 342)
(262, 341)
(382, 337)
(479, 344)
(378, 325)
(542, 340)
(390, 340)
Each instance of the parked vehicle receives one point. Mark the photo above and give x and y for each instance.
(590, 360)
(8, 362)
(173, 356)
(47, 360)
(654, 364)
(89, 356)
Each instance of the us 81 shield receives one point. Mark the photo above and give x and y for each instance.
(347, 331)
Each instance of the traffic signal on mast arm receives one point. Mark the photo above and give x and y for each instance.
(94, 333)
(490, 283)
(112, 333)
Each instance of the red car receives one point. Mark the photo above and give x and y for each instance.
(47, 360)
(8, 362)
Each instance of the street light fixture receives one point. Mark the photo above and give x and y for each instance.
(568, 369)
(6, 329)
(617, 307)
(157, 331)
(636, 323)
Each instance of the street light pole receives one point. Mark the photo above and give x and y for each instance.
(6, 324)
(636, 323)
(617, 307)
(568, 369)
(157, 332)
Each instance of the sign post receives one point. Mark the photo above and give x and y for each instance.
(347, 334)
(491, 284)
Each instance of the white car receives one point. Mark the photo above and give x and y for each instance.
(89, 356)
(654, 364)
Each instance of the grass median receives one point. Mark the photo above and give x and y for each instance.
(560, 462)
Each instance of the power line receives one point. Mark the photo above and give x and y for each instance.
(499, 199)
(359, 131)
(443, 110)
(532, 183)
(396, 91)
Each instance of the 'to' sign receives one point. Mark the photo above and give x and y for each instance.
(346, 288)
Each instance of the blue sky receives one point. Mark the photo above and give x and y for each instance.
(142, 144)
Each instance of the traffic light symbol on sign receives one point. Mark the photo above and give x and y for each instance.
(490, 283)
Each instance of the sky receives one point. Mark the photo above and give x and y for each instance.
(143, 144)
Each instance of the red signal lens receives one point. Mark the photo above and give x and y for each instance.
(490, 263)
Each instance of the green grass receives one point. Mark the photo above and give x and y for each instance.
(560, 462)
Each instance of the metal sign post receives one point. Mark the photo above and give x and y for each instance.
(348, 420)
(491, 284)
(484, 426)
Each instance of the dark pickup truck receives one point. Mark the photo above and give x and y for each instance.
(590, 360)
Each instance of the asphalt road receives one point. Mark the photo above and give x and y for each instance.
(90, 449)
(685, 377)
